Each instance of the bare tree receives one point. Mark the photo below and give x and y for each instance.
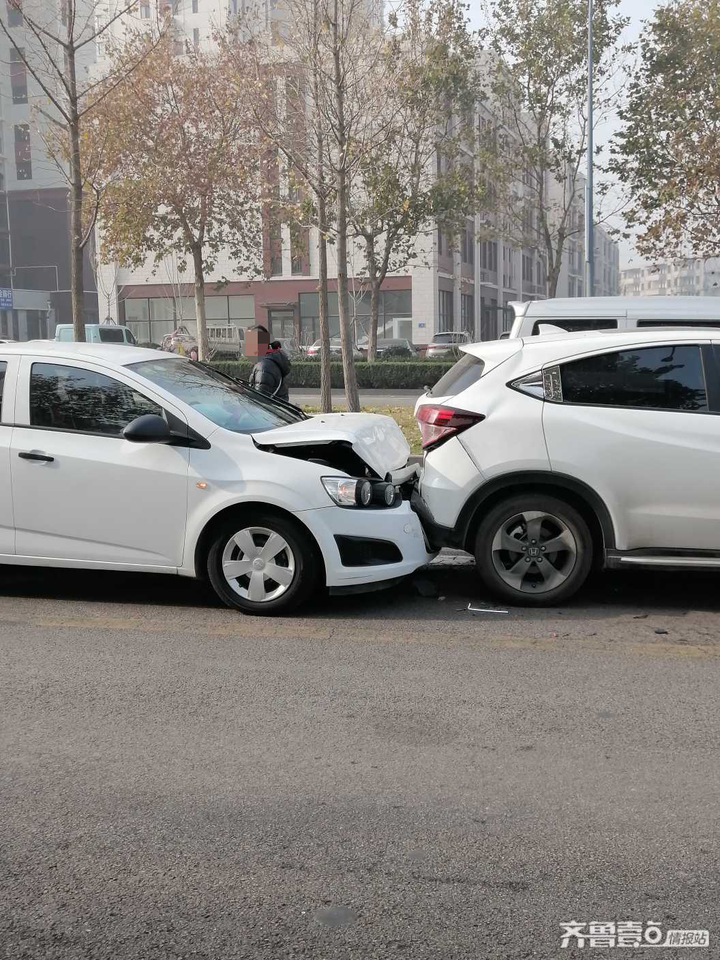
(419, 174)
(533, 142)
(56, 52)
(334, 51)
(285, 98)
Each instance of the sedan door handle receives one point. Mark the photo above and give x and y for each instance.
(36, 456)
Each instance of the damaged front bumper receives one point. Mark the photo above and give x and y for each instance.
(357, 545)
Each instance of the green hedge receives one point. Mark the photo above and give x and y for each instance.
(388, 375)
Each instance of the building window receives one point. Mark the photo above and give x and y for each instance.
(195, 4)
(446, 319)
(275, 243)
(18, 76)
(196, 38)
(14, 13)
(527, 268)
(23, 157)
(144, 11)
(467, 312)
(468, 245)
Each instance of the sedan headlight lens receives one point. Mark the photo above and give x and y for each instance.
(348, 492)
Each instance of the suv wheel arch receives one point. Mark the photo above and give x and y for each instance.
(578, 494)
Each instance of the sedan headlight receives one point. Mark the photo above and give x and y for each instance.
(348, 492)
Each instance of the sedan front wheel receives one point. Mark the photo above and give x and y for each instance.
(265, 566)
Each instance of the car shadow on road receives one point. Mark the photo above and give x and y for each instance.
(441, 592)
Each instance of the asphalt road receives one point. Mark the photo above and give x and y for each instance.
(387, 776)
(368, 398)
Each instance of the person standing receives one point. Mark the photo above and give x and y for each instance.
(270, 372)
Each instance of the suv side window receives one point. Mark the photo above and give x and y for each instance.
(667, 377)
(71, 398)
(575, 325)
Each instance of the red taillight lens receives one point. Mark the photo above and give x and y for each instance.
(440, 423)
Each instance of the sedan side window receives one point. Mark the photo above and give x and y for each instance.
(667, 377)
(71, 398)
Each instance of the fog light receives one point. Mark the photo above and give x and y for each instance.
(384, 493)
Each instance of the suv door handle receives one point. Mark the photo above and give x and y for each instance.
(36, 456)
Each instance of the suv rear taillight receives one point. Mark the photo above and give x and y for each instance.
(439, 423)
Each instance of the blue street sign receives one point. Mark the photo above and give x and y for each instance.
(6, 298)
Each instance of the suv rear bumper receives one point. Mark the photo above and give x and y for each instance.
(437, 535)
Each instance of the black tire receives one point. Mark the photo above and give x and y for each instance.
(536, 589)
(304, 552)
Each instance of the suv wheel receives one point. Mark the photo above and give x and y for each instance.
(266, 566)
(533, 550)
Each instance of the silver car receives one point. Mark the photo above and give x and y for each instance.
(446, 345)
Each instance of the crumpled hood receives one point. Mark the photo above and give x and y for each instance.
(376, 439)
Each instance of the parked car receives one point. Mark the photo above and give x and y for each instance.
(97, 333)
(546, 456)
(446, 345)
(224, 340)
(390, 347)
(612, 313)
(127, 459)
(313, 351)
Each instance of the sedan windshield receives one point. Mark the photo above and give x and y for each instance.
(223, 401)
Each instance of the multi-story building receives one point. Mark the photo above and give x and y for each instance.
(465, 285)
(34, 210)
(673, 278)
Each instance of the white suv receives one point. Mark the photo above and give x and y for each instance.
(548, 455)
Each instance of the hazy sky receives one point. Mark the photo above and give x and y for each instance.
(637, 11)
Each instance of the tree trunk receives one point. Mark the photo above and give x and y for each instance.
(351, 390)
(325, 372)
(202, 336)
(77, 293)
(374, 297)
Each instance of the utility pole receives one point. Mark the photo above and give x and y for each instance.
(589, 189)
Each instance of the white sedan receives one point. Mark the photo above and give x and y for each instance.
(119, 458)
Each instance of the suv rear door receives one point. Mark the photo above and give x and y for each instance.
(639, 425)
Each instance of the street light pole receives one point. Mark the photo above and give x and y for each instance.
(589, 188)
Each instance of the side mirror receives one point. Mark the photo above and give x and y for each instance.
(149, 428)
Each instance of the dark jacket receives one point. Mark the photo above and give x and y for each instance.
(268, 375)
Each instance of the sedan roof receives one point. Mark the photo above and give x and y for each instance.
(118, 354)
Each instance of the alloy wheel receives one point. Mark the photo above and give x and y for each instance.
(258, 564)
(534, 552)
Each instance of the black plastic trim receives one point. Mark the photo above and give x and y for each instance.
(364, 587)
(367, 551)
(437, 535)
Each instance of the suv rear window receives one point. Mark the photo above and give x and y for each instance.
(448, 338)
(660, 378)
(459, 377)
(576, 324)
(112, 335)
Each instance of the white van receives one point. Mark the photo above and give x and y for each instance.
(612, 313)
(97, 333)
